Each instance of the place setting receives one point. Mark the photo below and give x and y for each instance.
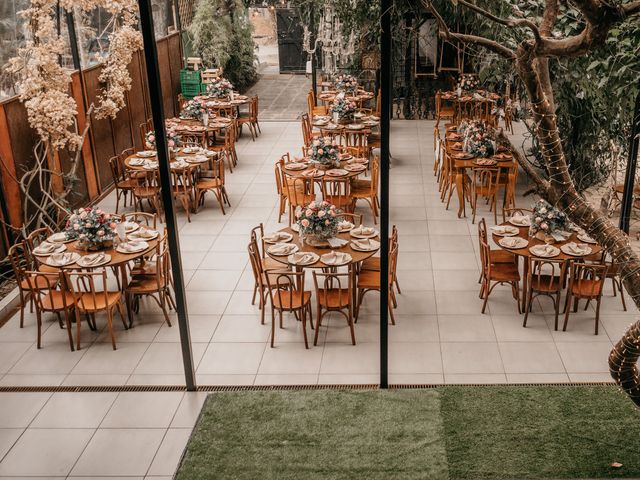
(132, 246)
(59, 237)
(345, 226)
(296, 166)
(336, 259)
(520, 220)
(336, 172)
(363, 232)
(143, 233)
(282, 249)
(365, 245)
(576, 249)
(93, 260)
(505, 230)
(303, 258)
(62, 259)
(313, 173)
(277, 237)
(47, 248)
(513, 243)
(355, 167)
(544, 251)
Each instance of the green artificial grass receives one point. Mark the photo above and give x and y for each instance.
(450, 432)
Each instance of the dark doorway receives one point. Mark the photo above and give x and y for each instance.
(292, 57)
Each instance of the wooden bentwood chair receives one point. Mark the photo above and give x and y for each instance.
(546, 277)
(334, 294)
(586, 281)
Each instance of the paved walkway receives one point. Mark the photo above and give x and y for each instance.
(440, 336)
(283, 97)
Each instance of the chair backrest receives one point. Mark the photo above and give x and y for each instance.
(338, 283)
(117, 173)
(256, 262)
(393, 263)
(338, 189)
(38, 236)
(194, 138)
(127, 152)
(485, 256)
(375, 174)
(147, 219)
(588, 278)
(484, 177)
(282, 285)
(311, 102)
(280, 187)
(298, 189)
(438, 102)
(253, 109)
(482, 230)
(544, 271)
(89, 288)
(35, 280)
(257, 237)
(182, 180)
(306, 128)
(143, 133)
(21, 260)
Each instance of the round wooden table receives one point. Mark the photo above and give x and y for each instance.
(329, 96)
(141, 168)
(300, 173)
(523, 232)
(188, 126)
(356, 256)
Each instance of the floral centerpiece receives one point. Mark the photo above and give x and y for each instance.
(468, 83)
(93, 228)
(173, 139)
(323, 152)
(194, 109)
(220, 88)
(318, 220)
(479, 139)
(547, 222)
(342, 108)
(346, 83)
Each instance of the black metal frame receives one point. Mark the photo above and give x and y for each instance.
(157, 110)
(630, 174)
(385, 121)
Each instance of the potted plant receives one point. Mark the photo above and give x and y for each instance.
(547, 222)
(197, 110)
(479, 139)
(323, 153)
(94, 229)
(318, 222)
(220, 88)
(346, 83)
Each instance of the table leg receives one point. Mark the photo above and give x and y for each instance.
(525, 283)
(460, 190)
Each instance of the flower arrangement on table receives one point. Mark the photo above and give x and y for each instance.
(94, 228)
(342, 107)
(220, 88)
(547, 221)
(319, 220)
(479, 139)
(194, 109)
(324, 152)
(468, 83)
(346, 83)
(173, 139)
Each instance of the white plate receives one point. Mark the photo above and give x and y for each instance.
(336, 172)
(106, 258)
(583, 237)
(59, 237)
(146, 154)
(71, 258)
(345, 156)
(538, 251)
(284, 237)
(509, 231)
(527, 222)
(355, 126)
(356, 167)
(295, 166)
(142, 246)
(59, 249)
(196, 159)
(355, 234)
(565, 249)
(345, 260)
(137, 235)
(519, 242)
(130, 227)
(136, 162)
(317, 174)
(313, 258)
(373, 247)
(291, 249)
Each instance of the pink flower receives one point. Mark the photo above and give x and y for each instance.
(100, 233)
(171, 143)
(320, 151)
(544, 226)
(76, 226)
(309, 152)
(152, 138)
(321, 213)
(309, 212)
(305, 223)
(326, 222)
(113, 226)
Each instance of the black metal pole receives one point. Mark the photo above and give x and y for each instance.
(630, 174)
(155, 95)
(75, 54)
(312, 41)
(385, 85)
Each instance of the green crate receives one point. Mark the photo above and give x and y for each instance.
(190, 76)
(190, 91)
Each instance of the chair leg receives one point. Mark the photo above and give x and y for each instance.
(121, 313)
(78, 322)
(391, 315)
(529, 298)
(303, 314)
(318, 323)
(598, 313)
(567, 311)
(110, 327)
(620, 287)
(273, 325)
(39, 323)
(67, 322)
(557, 308)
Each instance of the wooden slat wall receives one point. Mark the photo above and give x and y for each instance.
(107, 138)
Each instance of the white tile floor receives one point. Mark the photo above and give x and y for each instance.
(440, 336)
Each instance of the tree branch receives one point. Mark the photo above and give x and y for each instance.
(449, 35)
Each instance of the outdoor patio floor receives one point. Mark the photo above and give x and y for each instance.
(440, 335)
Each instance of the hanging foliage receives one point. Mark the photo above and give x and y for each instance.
(221, 35)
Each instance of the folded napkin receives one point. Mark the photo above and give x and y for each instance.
(46, 247)
(577, 248)
(545, 250)
(501, 229)
(362, 230)
(510, 241)
(520, 219)
(335, 258)
(336, 242)
(60, 258)
(301, 258)
(58, 237)
(344, 225)
(366, 244)
(281, 248)
(146, 233)
(276, 237)
(132, 246)
(310, 173)
(92, 259)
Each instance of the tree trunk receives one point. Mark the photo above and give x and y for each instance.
(560, 192)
